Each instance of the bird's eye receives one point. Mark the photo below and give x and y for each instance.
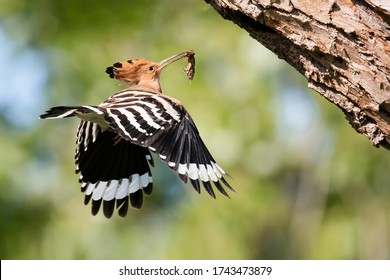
(151, 69)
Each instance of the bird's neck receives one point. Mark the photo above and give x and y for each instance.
(152, 84)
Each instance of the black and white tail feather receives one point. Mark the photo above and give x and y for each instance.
(114, 141)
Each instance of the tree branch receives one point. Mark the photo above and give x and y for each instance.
(342, 47)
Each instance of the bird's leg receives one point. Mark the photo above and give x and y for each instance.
(117, 139)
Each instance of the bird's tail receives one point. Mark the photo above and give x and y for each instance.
(61, 112)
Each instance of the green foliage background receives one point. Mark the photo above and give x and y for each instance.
(308, 186)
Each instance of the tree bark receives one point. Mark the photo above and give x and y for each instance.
(342, 47)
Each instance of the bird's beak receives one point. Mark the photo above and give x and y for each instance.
(162, 64)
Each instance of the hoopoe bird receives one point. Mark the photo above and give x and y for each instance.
(116, 138)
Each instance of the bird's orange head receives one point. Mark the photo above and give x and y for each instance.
(143, 72)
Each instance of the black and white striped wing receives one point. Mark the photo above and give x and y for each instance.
(61, 112)
(112, 170)
(165, 128)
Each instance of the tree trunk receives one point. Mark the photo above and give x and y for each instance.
(342, 47)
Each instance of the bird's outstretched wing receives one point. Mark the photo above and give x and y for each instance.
(113, 172)
(162, 125)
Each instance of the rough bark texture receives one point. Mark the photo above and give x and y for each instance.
(342, 47)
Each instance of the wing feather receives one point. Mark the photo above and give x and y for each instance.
(110, 169)
(161, 124)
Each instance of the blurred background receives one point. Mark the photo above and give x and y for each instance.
(308, 186)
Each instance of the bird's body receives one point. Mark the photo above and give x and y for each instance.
(115, 140)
